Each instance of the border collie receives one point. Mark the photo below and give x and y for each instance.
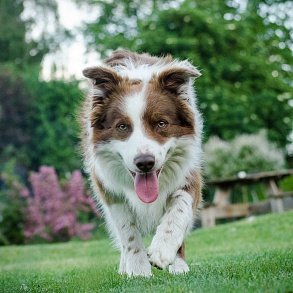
(141, 141)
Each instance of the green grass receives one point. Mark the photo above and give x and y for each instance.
(247, 256)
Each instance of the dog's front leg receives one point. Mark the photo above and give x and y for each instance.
(134, 260)
(176, 222)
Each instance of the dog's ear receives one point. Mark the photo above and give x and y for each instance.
(175, 79)
(104, 79)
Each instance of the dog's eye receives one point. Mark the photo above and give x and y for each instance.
(162, 124)
(122, 127)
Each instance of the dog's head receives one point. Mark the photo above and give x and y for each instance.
(139, 112)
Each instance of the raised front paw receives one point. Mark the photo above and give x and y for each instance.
(161, 254)
(136, 264)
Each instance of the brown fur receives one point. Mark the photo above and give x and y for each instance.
(106, 198)
(165, 105)
(107, 107)
(172, 79)
(113, 117)
(194, 187)
(181, 251)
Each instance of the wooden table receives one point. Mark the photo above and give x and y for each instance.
(221, 207)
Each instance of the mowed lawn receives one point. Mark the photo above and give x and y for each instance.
(253, 255)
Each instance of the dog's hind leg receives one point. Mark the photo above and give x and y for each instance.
(134, 260)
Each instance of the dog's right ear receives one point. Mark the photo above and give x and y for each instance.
(104, 79)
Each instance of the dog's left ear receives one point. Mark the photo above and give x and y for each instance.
(175, 79)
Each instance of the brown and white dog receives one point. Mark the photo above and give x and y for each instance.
(142, 148)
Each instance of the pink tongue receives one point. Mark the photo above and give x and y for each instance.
(146, 186)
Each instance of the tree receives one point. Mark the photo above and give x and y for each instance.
(116, 25)
(38, 122)
(17, 45)
(12, 32)
(15, 110)
(34, 115)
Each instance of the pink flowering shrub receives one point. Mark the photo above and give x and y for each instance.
(53, 212)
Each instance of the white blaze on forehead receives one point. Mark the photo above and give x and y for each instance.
(143, 72)
(135, 106)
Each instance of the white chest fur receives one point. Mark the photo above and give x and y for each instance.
(147, 216)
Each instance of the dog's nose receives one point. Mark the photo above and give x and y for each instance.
(144, 162)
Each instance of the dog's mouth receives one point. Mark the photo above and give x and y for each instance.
(146, 185)
(158, 172)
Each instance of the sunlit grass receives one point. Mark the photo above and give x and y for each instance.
(249, 256)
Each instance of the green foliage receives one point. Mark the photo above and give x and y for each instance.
(246, 153)
(54, 127)
(244, 57)
(13, 46)
(16, 44)
(15, 114)
(109, 32)
(11, 205)
(287, 183)
(38, 120)
(253, 255)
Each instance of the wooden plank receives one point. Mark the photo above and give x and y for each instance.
(273, 187)
(222, 197)
(251, 178)
(208, 217)
(259, 208)
(281, 194)
(277, 205)
(232, 211)
(288, 203)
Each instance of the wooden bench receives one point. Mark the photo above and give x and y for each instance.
(221, 207)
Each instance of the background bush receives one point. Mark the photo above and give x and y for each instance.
(247, 153)
(48, 210)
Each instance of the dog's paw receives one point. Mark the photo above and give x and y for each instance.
(136, 264)
(161, 255)
(179, 266)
